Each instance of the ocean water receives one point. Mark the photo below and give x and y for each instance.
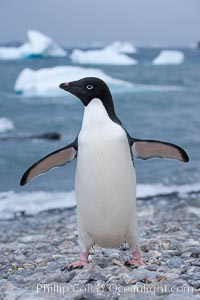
(165, 105)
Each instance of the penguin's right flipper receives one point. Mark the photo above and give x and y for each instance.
(55, 159)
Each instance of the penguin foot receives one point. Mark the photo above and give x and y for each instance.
(135, 262)
(79, 264)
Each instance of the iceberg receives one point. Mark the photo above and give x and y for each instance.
(169, 57)
(122, 47)
(45, 82)
(113, 54)
(6, 125)
(38, 45)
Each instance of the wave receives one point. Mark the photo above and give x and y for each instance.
(33, 202)
(37, 201)
(169, 57)
(6, 125)
(153, 190)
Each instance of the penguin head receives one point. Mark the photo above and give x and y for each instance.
(88, 88)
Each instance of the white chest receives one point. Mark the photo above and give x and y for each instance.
(101, 141)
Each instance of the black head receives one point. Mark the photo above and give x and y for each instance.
(88, 88)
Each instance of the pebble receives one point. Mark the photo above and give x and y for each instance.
(195, 251)
(152, 267)
(31, 238)
(34, 254)
(175, 262)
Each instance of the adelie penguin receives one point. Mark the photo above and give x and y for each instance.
(105, 180)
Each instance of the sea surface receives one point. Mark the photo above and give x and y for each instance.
(170, 111)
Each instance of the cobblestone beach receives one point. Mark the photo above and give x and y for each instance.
(35, 249)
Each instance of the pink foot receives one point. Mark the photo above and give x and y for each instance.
(83, 261)
(136, 260)
(79, 264)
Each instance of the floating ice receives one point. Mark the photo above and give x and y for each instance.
(46, 81)
(169, 57)
(38, 45)
(122, 47)
(6, 124)
(110, 55)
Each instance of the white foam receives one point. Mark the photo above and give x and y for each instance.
(113, 54)
(6, 125)
(151, 190)
(35, 202)
(45, 82)
(169, 57)
(38, 45)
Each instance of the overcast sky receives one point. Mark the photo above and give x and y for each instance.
(74, 22)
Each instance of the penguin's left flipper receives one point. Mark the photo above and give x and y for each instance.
(146, 149)
(55, 159)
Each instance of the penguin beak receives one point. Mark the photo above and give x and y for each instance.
(76, 90)
(64, 86)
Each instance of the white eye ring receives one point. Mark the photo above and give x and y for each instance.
(89, 87)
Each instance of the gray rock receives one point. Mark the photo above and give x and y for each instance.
(9, 291)
(89, 275)
(194, 283)
(140, 275)
(59, 277)
(175, 262)
(137, 297)
(152, 267)
(31, 238)
(181, 296)
(35, 296)
(191, 276)
(195, 262)
(100, 295)
(194, 250)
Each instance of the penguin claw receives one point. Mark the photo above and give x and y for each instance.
(134, 262)
(79, 264)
